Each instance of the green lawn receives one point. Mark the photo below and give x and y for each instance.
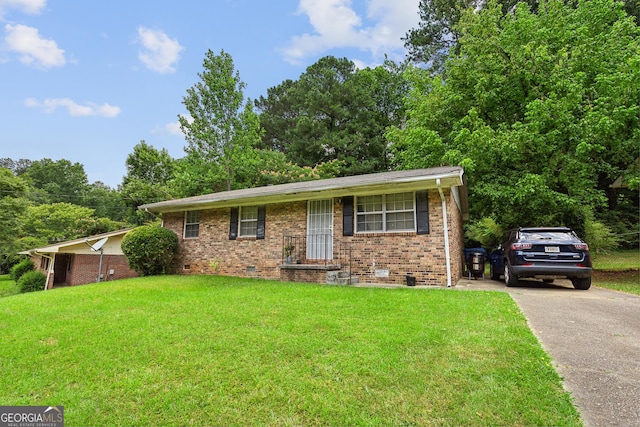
(617, 260)
(203, 350)
(618, 270)
(7, 286)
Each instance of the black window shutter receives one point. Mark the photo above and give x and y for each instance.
(422, 212)
(262, 213)
(233, 227)
(347, 216)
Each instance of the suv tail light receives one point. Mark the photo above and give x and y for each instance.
(581, 246)
(521, 246)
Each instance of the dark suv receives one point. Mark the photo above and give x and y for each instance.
(546, 253)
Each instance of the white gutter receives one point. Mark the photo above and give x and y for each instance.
(445, 221)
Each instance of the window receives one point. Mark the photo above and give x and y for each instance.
(248, 221)
(389, 212)
(192, 224)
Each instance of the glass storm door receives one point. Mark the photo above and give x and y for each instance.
(320, 229)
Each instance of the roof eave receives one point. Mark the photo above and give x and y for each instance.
(450, 179)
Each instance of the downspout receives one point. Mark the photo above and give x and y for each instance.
(445, 223)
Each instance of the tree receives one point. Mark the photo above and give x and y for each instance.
(18, 167)
(148, 164)
(61, 181)
(13, 205)
(542, 109)
(149, 175)
(334, 113)
(219, 129)
(62, 221)
(437, 34)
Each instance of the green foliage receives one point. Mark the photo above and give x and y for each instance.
(542, 109)
(18, 270)
(335, 112)
(219, 130)
(58, 221)
(150, 249)
(599, 237)
(484, 231)
(32, 281)
(7, 261)
(13, 206)
(61, 181)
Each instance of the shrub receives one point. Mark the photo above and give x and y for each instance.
(18, 270)
(32, 281)
(150, 250)
(485, 231)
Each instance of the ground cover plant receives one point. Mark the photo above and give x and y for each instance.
(203, 350)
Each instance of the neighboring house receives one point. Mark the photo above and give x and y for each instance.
(374, 228)
(75, 262)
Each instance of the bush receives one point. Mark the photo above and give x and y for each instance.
(7, 261)
(150, 250)
(18, 270)
(484, 231)
(32, 281)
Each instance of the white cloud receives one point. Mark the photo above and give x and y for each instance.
(31, 7)
(172, 128)
(33, 49)
(74, 109)
(160, 52)
(337, 25)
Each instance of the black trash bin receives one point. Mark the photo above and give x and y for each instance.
(475, 264)
(411, 280)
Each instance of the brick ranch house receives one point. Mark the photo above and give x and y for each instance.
(376, 228)
(74, 262)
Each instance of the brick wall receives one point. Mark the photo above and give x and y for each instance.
(376, 257)
(83, 269)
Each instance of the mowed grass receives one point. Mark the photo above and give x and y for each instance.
(618, 270)
(617, 260)
(203, 350)
(7, 286)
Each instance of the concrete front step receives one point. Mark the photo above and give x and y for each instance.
(341, 278)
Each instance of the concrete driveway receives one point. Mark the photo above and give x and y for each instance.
(593, 338)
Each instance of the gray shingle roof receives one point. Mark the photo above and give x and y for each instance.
(449, 176)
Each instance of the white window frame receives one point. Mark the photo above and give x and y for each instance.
(247, 221)
(383, 213)
(190, 222)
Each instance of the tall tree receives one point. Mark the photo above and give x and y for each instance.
(437, 34)
(217, 130)
(149, 173)
(542, 109)
(334, 112)
(13, 205)
(61, 180)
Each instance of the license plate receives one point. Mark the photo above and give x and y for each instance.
(552, 249)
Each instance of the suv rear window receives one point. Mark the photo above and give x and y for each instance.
(546, 235)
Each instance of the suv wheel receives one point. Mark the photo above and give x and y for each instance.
(509, 278)
(583, 284)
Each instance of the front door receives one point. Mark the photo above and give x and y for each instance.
(320, 229)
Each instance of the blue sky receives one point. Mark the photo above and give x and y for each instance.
(88, 80)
